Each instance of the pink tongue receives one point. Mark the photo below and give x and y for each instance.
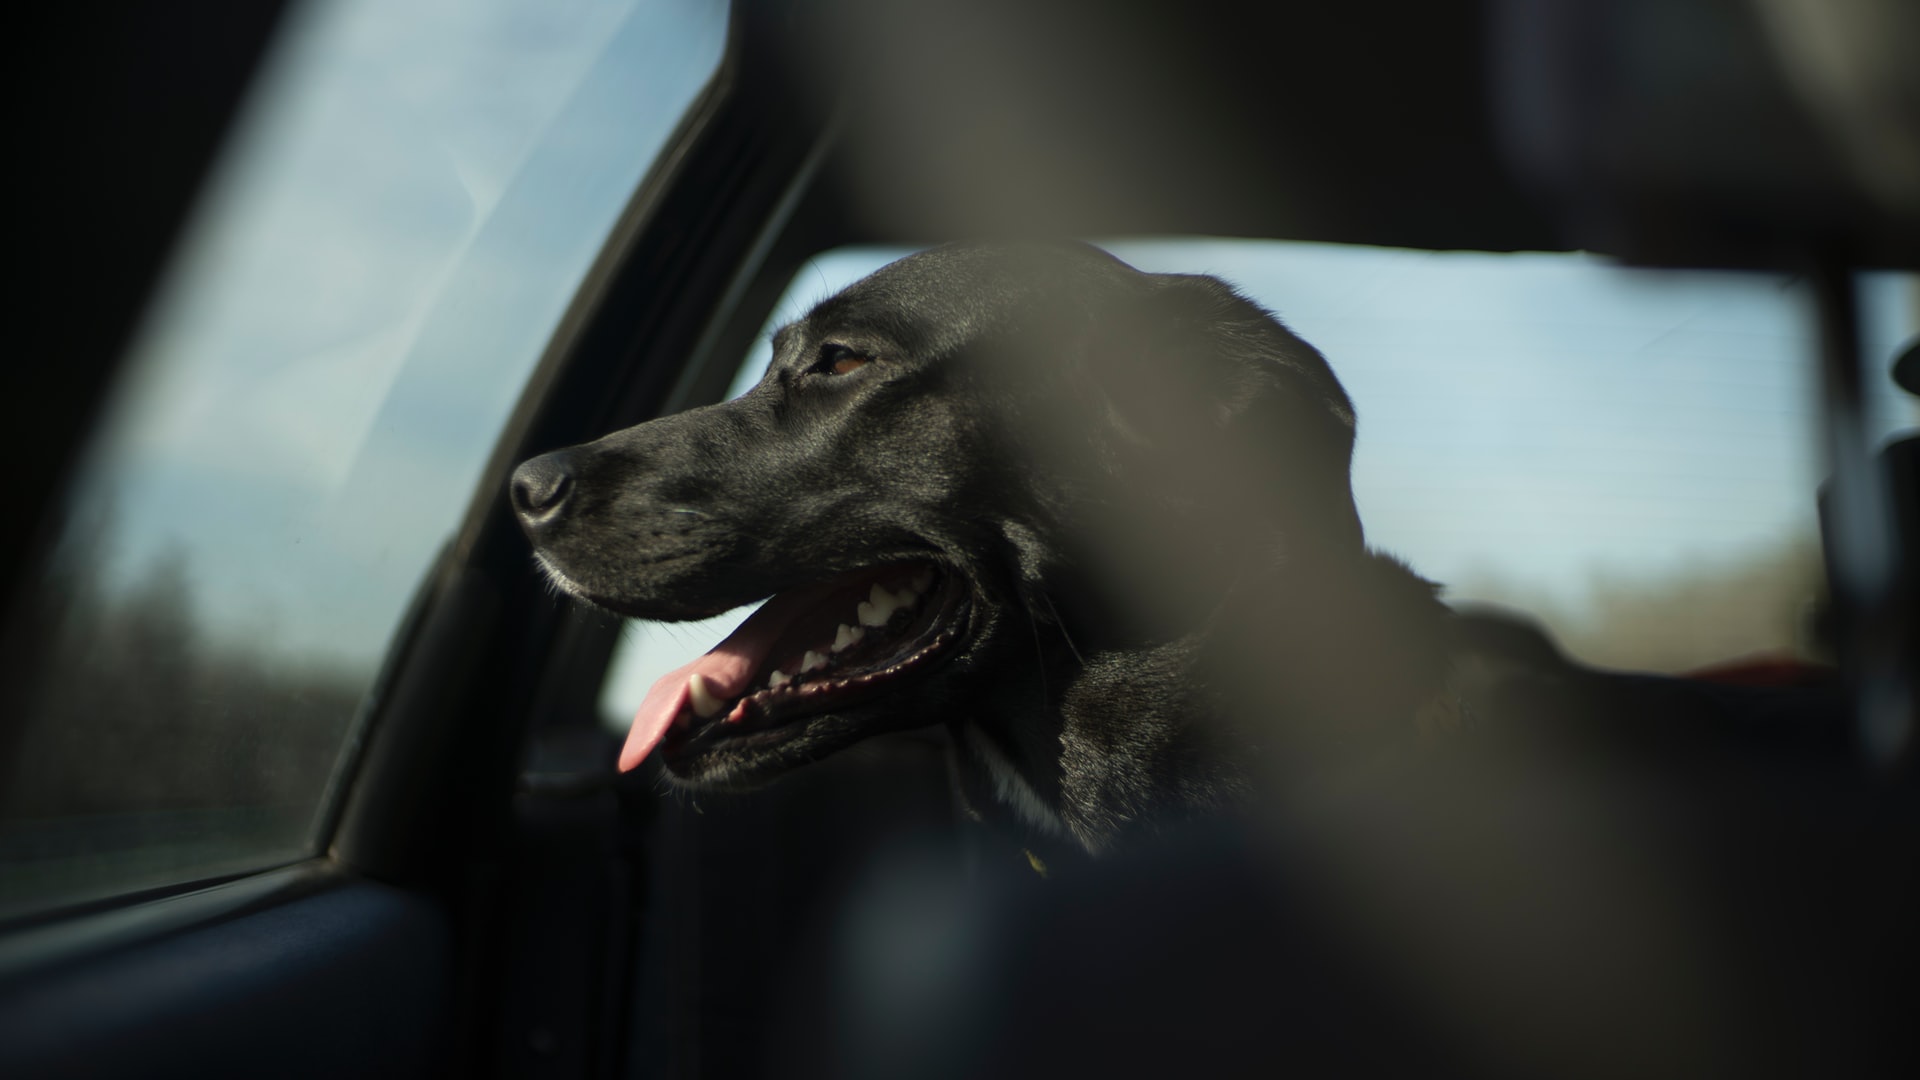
(727, 667)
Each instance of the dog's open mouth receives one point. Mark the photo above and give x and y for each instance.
(805, 652)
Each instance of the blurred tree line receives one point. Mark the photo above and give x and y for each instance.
(138, 708)
(1701, 613)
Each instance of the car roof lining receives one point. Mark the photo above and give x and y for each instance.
(1449, 124)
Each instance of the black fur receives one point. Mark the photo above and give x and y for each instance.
(1142, 480)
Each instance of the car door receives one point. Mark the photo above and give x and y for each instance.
(273, 640)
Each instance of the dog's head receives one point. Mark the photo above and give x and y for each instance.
(959, 478)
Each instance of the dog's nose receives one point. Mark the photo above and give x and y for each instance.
(540, 488)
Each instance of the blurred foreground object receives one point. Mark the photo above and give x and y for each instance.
(1718, 132)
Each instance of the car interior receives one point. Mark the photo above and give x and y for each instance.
(308, 771)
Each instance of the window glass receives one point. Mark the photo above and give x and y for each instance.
(1630, 456)
(406, 207)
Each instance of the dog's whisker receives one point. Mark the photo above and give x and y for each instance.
(1062, 624)
(1040, 654)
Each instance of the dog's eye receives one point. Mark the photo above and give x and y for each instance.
(840, 360)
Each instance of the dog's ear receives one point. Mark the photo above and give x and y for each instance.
(1222, 411)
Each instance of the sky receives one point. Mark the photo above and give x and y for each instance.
(408, 204)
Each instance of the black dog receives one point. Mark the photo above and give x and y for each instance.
(1097, 521)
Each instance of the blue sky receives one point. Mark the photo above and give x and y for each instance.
(406, 208)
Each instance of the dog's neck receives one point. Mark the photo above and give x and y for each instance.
(1297, 670)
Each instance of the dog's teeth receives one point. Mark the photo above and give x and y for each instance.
(922, 581)
(875, 612)
(846, 637)
(705, 704)
(778, 679)
(812, 661)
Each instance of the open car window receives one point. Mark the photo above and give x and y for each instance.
(405, 209)
(1629, 456)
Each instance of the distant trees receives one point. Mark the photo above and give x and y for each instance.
(138, 708)
(1701, 614)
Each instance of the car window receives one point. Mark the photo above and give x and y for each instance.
(1628, 455)
(406, 207)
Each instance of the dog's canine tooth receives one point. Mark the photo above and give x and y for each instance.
(778, 679)
(706, 705)
(846, 637)
(812, 661)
